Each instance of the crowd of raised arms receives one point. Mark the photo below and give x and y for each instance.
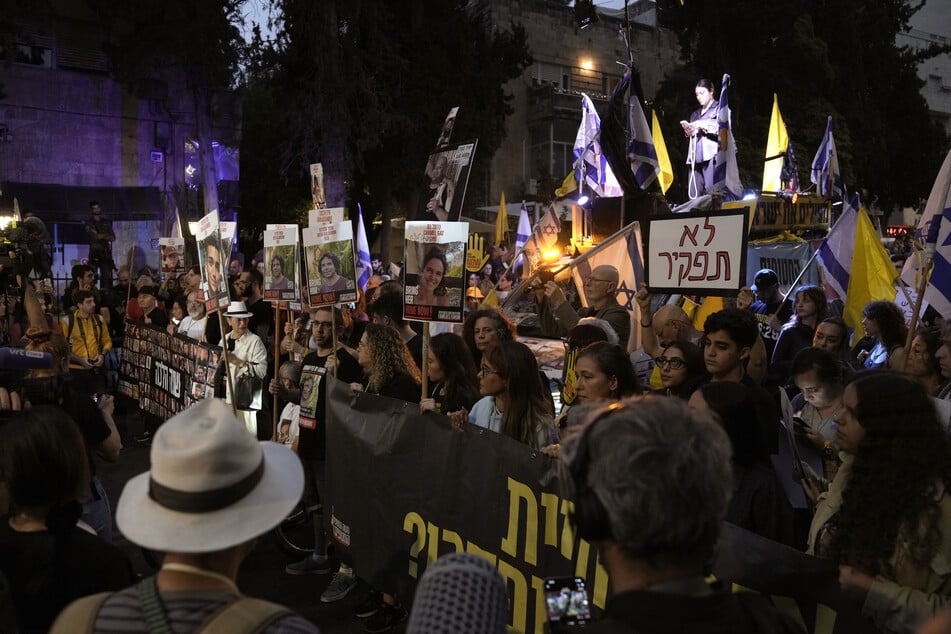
(665, 425)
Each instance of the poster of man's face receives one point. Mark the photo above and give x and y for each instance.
(213, 272)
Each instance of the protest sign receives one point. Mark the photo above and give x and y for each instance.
(435, 256)
(280, 253)
(172, 251)
(326, 216)
(404, 488)
(447, 175)
(697, 253)
(211, 259)
(165, 373)
(328, 252)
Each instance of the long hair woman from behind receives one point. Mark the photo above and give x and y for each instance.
(452, 373)
(388, 364)
(48, 559)
(886, 519)
(682, 369)
(513, 404)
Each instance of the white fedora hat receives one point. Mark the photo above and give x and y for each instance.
(238, 309)
(211, 485)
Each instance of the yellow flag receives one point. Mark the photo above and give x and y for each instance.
(776, 144)
(491, 300)
(872, 277)
(567, 185)
(708, 306)
(666, 176)
(501, 222)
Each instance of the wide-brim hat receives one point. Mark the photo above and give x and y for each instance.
(238, 309)
(211, 485)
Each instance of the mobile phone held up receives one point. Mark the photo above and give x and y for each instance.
(566, 602)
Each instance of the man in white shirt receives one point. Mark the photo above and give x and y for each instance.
(193, 325)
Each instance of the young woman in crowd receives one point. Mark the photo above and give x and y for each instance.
(884, 323)
(820, 379)
(45, 556)
(809, 310)
(759, 503)
(922, 363)
(512, 404)
(387, 364)
(682, 369)
(452, 374)
(886, 518)
(390, 371)
(832, 335)
(177, 310)
(604, 373)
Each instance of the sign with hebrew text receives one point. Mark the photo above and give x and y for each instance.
(701, 253)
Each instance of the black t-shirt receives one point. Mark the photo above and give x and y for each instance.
(158, 318)
(312, 443)
(402, 387)
(45, 576)
(262, 319)
(763, 311)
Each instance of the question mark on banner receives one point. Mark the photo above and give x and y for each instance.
(414, 520)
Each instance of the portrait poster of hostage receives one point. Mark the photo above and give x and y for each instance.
(331, 275)
(281, 270)
(212, 259)
(446, 177)
(435, 256)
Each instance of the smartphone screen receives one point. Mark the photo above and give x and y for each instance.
(566, 601)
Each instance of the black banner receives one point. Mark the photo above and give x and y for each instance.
(165, 373)
(405, 488)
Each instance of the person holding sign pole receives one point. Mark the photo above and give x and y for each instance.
(246, 353)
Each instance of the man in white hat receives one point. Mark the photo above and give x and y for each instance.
(211, 491)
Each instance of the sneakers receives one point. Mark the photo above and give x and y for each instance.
(340, 586)
(310, 565)
(386, 618)
(370, 606)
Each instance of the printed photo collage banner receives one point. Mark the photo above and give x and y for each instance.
(166, 373)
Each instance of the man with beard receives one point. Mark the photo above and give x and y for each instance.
(193, 325)
(249, 286)
(312, 440)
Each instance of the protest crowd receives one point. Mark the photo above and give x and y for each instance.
(669, 434)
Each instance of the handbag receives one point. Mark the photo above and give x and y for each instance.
(247, 391)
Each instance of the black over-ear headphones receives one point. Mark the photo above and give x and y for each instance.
(590, 517)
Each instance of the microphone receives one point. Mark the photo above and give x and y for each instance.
(460, 593)
(20, 359)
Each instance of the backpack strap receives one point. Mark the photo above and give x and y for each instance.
(80, 615)
(153, 609)
(244, 616)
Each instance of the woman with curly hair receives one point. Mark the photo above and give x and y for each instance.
(512, 405)
(886, 519)
(387, 364)
(885, 324)
(452, 374)
(810, 309)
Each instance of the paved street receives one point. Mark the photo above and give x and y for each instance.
(262, 574)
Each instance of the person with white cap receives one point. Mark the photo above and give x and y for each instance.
(246, 353)
(211, 491)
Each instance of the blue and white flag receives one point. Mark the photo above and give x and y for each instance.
(623, 252)
(934, 231)
(524, 231)
(726, 174)
(364, 268)
(835, 252)
(589, 160)
(640, 146)
(825, 166)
